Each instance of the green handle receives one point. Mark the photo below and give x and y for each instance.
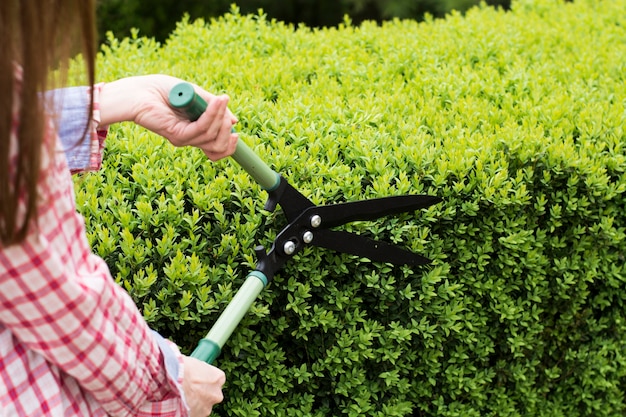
(184, 97)
(209, 347)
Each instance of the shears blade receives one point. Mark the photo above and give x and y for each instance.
(362, 246)
(341, 213)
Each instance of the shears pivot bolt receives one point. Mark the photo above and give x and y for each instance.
(289, 248)
(307, 237)
(316, 221)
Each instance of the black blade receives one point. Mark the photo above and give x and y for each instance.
(342, 213)
(368, 248)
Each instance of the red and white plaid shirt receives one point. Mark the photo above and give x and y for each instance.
(72, 342)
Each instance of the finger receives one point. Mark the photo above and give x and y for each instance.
(221, 379)
(232, 146)
(212, 133)
(220, 143)
(233, 118)
(207, 125)
(207, 128)
(210, 122)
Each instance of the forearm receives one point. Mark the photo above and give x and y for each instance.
(124, 99)
(118, 100)
(86, 325)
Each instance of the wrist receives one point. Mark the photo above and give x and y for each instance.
(117, 100)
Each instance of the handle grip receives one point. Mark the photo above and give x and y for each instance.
(210, 346)
(184, 98)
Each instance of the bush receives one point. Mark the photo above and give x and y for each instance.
(158, 19)
(515, 119)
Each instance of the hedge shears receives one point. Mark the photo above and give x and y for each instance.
(308, 224)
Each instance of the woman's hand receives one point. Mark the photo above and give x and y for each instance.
(202, 385)
(144, 100)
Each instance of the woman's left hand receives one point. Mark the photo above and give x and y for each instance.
(144, 100)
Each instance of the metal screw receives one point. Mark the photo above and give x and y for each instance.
(289, 247)
(307, 237)
(316, 220)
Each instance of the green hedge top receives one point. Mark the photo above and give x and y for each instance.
(516, 119)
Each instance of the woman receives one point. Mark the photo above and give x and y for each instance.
(72, 342)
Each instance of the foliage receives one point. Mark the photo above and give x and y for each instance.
(516, 119)
(158, 19)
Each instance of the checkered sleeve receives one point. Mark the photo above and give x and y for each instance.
(81, 321)
(60, 303)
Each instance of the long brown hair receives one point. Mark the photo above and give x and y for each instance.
(40, 37)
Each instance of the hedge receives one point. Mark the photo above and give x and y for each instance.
(158, 19)
(515, 119)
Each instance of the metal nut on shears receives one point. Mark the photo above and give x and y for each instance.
(289, 248)
(316, 221)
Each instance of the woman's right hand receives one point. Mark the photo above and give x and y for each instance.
(202, 385)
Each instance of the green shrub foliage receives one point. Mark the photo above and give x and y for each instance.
(516, 119)
(158, 18)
